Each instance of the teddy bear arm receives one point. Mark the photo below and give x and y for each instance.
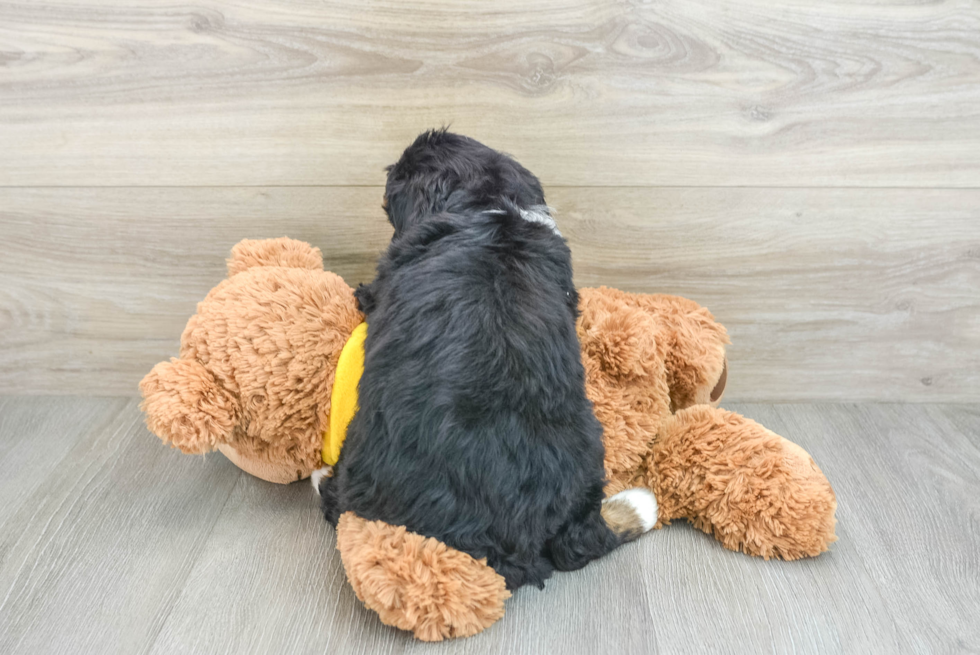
(418, 583)
(754, 490)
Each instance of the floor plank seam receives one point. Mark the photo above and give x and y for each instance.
(199, 547)
(74, 500)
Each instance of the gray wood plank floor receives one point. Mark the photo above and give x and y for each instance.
(112, 543)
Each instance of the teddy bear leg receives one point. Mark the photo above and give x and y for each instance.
(186, 407)
(754, 490)
(418, 583)
(284, 251)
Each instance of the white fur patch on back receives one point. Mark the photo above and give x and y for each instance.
(318, 475)
(540, 214)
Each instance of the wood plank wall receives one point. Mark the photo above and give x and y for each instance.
(809, 171)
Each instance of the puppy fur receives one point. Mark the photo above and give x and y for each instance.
(473, 426)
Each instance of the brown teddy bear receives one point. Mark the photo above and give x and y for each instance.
(255, 380)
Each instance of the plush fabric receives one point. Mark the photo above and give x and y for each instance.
(254, 379)
(649, 356)
(753, 490)
(417, 583)
(257, 362)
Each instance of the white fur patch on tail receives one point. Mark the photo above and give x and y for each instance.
(318, 475)
(643, 502)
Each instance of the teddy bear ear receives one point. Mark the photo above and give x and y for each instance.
(621, 339)
(286, 252)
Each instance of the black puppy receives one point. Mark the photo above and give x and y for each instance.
(473, 426)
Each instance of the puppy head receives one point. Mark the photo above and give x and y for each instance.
(444, 171)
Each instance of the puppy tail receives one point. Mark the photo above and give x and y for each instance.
(630, 513)
(325, 486)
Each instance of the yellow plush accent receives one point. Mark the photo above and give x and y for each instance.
(343, 399)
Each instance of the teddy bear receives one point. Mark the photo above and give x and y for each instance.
(267, 375)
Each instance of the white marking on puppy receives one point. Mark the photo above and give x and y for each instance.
(534, 214)
(630, 513)
(540, 214)
(319, 474)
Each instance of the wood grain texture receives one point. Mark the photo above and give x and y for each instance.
(94, 557)
(36, 440)
(97, 285)
(771, 93)
(843, 294)
(270, 580)
(140, 549)
(833, 294)
(907, 481)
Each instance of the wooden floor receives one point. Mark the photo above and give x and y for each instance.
(113, 543)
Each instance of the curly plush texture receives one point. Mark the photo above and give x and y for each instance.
(645, 356)
(283, 252)
(752, 489)
(187, 407)
(257, 362)
(257, 365)
(625, 379)
(653, 364)
(417, 583)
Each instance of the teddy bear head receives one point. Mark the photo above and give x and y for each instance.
(257, 363)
